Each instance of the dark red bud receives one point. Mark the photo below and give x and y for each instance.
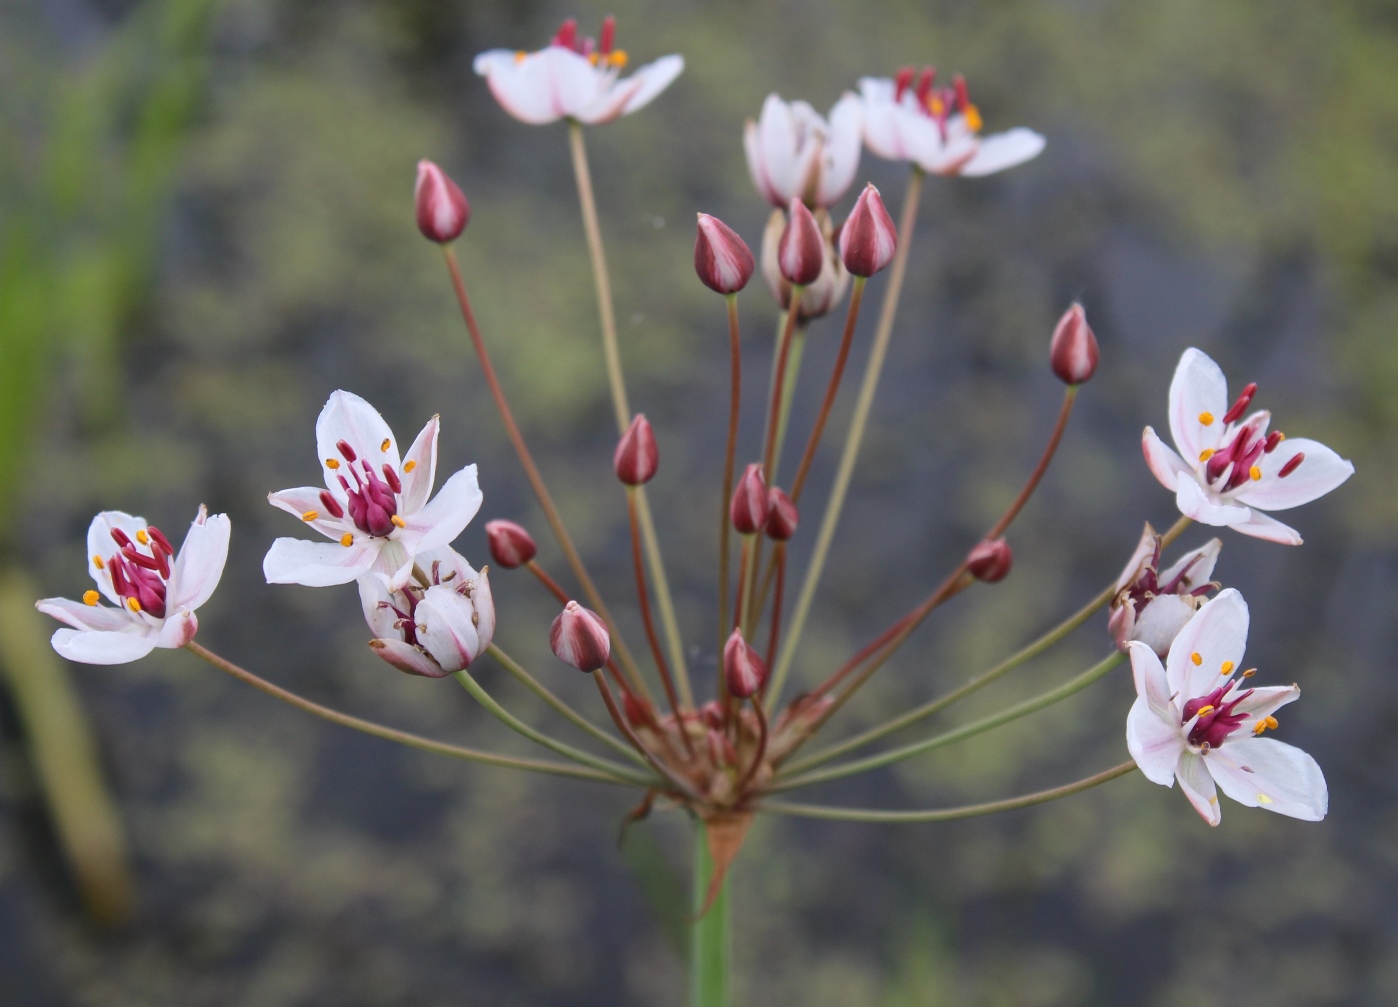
(636, 457)
(801, 250)
(721, 258)
(1073, 352)
(782, 522)
(442, 209)
(580, 638)
(743, 670)
(868, 238)
(751, 505)
(510, 545)
(990, 560)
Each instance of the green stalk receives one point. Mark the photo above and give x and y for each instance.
(711, 937)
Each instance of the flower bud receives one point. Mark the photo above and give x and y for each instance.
(580, 638)
(751, 506)
(868, 239)
(636, 457)
(817, 298)
(721, 258)
(510, 544)
(442, 209)
(711, 714)
(743, 670)
(801, 248)
(990, 560)
(637, 713)
(1073, 352)
(782, 522)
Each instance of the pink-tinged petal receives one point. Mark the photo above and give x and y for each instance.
(1265, 701)
(106, 647)
(303, 500)
(1004, 150)
(1160, 621)
(523, 87)
(408, 659)
(178, 630)
(1198, 391)
(808, 152)
(1155, 745)
(1319, 472)
(446, 628)
(318, 564)
(393, 563)
(1217, 635)
(1265, 773)
(347, 417)
(1194, 503)
(841, 149)
(378, 603)
(90, 618)
(1259, 525)
(484, 601)
(1145, 549)
(757, 162)
(101, 544)
(579, 89)
(948, 158)
(1199, 787)
(1152, 684)
(442, 520)
(1199, 562)
(650, 80)
(884, 120)
(422, 456)
(1168, 467)
(199, 563)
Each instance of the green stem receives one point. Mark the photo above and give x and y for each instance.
(711, 938)
(946, 814)
(958, 734)
(853, 439)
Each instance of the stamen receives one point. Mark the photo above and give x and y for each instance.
(1271, 722)
(1207, 419)
(617, 58)
(1259, 727)
(346, 451)
(331, 505)
(398, 521)
(408, 466)
(902, 82)
(97, 562)
(119, 537)
(310, 515)
(519, 56)
(1255, 473)
(1196, 659)
(1292, 465)
(1226, 669)
(1250, 672)
(133, 604)
(972, 115)
(142, 537)
(387, 443)
(332, 463)
(391, 477)
(1239, 407)
(1273, 439)
(607, 35)
(347, 539)
(924, 84)
(1206, 454)
(1263, 799)
(90, 597)
(1204, 711)
(161, 540)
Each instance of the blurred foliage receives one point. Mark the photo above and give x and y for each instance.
(1217, 175)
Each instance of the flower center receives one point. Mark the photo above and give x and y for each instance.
(1216, 717)
(600, 51)
(373, 501)
(940, 104)
(1243, 448)
(140, 578)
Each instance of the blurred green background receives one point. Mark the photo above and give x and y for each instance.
(206, 227)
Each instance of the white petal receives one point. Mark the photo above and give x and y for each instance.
(1155, 745)
(1259, 525)
(347, 417)
(1264, 701)
(1217, 635)
(1145, 549)
(442, 520)
(1165, 465)
(301, 500)
(579, 89)
(92, 618)
(650, 80)
(1319, 473)
(1151, 683)
(1265, 773)
(1160, 621)
(394, 563)
(1199, 562)
(484, 601)
(378, 603)
(1004, 150)
(446, 628)
(946, 157)
(178, 630)
(318, 564)
(199, 563)
(1194, 502)
(1198, 388)
(417, 484)
(407, 658)
(757, 163)
(101, 544)
(523, 87)
(1198, 786)
(841, 149)
(104, 648)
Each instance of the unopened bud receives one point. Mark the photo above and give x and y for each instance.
(510, 545)
(580, 638)
(782, 522)
(868, 239)
(637, 713)
(442, 209)
(711, 713)
(817, 298)
(801, 249)
(990, 560)
(1073, 352)
(636, 457)
(743, 670)
(751, 506)
(721, 258)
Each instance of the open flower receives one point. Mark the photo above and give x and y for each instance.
(793, 153)
(155, 590)
(938, 129)
(375, 507)
(1232, 468)
(573, 77)
(433, 627)
(1151, 605)
(1195, 721)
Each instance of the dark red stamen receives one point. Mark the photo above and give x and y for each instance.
(331, 505)
(161, 540)
(391, 478)
(963, 98)
(1273, 439)
(1292, 465)
(140, 559)
(567, 34)
(346, 451)
(608, 33)
(924, 84)
(1239, 407)
(120, 537)
(902, 82)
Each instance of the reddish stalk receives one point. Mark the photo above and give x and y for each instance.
(735, 356)
(851, 318)
(1070, 395)
(761, 752)
(744, 556)
(614, 712)
(536, 481)
(643, 595)
(778, 561)
(779, 382)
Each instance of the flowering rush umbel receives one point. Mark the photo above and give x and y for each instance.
(703, 718)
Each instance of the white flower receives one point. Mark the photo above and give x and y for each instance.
(937, 128)
(793, 153)
(155, 590)
(375, 508)
(431, 628)
(1232, 469)
(1193, 721)
(573, 78)
(1153, 606)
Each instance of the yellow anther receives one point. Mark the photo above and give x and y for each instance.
(1196, 659)
(1213, 798)
(387, 443)
(398, 521)
(1254, 473)
(332, 463)
(1250, 672)
(1259, 727)
(142, 537)
(934, 104)
(1206, 454)
(1271, 722)
(1263, 799)
(592, 58)
(617, 58)
(347, 540)
(1204, 711)
(133, 604)
(310, 515)
(519, 56)
(1226, 669)
(90, 597)
(1206, 418)
(973, 118)
(97, 562)
(408, 466)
